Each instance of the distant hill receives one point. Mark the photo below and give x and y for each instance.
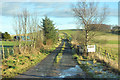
(72, 30)
(93, 27)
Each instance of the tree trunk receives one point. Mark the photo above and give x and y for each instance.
(86, 41)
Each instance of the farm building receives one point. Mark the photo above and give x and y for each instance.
(21, 37)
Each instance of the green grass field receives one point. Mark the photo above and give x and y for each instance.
(68, 31)
(8, 43)
(105, 40)
(12, 43)
(100, 36)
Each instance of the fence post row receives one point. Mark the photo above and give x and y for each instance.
(101, 50)
(3, 55)
(8, 52)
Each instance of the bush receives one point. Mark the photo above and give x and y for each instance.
(49, 42)
(39, 44)
(75, 56)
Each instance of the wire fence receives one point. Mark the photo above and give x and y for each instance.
(6, 51)
(109, 53)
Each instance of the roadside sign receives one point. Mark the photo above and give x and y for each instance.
(91, 48)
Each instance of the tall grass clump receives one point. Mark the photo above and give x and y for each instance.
(111, 63)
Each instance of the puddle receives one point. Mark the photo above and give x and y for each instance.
(72, 72)
(98, 70)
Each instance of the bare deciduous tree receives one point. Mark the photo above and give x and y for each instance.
(25, 23)
(34, 28)
(18, 26)
(89, 13)
(21, 24)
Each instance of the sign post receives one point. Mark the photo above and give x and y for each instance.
(91, 48)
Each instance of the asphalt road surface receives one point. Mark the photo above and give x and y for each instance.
(66, 68)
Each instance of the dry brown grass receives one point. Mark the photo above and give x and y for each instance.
(112, 63)
(39, 44)
(112, 49)
(74, 43)
(49, 42)
(16, 50)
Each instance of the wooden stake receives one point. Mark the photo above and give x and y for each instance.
(8, 52)
(13, 51)
(3, 52)
(105, 53)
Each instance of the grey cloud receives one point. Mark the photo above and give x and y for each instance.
(53, 9)
(60, 13)
(11, 8)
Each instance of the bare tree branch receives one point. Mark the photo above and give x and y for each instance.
(89, 13)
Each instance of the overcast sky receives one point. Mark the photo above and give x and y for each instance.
(59, 12)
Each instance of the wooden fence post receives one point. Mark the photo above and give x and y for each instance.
(34, 45)
(111, 51)
(3, 52)
(8, 52)
(13, 51)
(98, 49)
(105, 53)
(102, 51)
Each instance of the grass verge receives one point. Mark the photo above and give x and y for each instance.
(18, 63)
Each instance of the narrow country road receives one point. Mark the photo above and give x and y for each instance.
(67, 67)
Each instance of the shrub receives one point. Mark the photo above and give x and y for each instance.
(75, 56)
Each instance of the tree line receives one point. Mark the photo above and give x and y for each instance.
(41, 32)
(116, 30)
(5, 36)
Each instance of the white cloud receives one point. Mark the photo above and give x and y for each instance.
(60, 13)
(10, 9)
(54, 9)
(67, 26)
(50, 9)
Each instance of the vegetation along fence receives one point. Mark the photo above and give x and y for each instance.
(108, 56)
(6, 51)
(108, 53)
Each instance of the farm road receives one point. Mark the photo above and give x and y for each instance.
(47, 68)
